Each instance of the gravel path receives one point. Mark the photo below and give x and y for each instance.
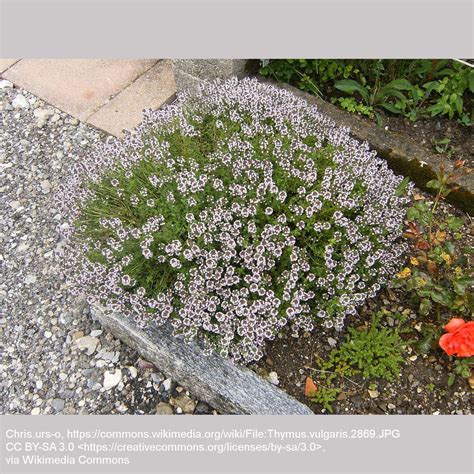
(55, 359)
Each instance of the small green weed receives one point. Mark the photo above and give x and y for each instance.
(374, 352)
(444, 147)
(461, 368)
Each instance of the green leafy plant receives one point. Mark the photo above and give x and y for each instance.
(351, 105)
(372, 352)
(452, 82)
(411, 88)
(297, 72)
(438, 277)
(444, 147)
(326, 394)
(378, 95)
(461, 368)
(293, 71)
(430, 387)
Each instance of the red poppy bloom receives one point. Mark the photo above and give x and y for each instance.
(459, 338)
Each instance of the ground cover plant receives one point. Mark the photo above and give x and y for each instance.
(233, 214)
(410, 88)
(372, 352)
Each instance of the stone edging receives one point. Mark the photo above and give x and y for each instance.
(227, 387)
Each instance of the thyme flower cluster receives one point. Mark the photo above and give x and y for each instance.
(231, 214)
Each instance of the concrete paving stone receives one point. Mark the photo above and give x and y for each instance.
(6, 63)
(77, 86)
(149, 91)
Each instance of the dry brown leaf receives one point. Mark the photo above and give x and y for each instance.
(310, 389)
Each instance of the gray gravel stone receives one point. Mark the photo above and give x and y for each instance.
(164, 409)
(87, 343)
(41, 113)
(45, 186)
(332, 342)
(43, 371)
(57, 404)
(202, 408)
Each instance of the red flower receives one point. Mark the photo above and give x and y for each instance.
(454, 324)
(459, 338)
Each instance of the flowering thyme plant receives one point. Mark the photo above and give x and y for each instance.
(231, 214)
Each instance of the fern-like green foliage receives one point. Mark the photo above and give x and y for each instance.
(374, 352)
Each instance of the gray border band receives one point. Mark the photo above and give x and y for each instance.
(333, 444)
(236, 28)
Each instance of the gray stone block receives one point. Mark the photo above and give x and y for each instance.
(189, 73)
(226, 386)
(186, 82)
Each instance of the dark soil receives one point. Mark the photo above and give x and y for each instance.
(426, 132)
(421, 388)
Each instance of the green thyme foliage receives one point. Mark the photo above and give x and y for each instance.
(150, 274)
(230, 214)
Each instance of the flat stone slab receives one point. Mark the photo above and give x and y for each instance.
(77, 86)
(149, 91)
(228, 387)
(6, 63)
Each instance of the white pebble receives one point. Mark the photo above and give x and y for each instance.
(4, 84)
(167, 384)
(112, 379)
(20, 102)
(273, 378)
